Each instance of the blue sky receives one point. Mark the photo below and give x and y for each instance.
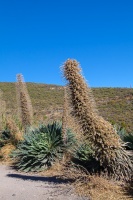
(38, 36)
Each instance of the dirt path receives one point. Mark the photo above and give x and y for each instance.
(20, 186)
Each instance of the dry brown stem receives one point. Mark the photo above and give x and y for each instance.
(24, 102)
(103, 137)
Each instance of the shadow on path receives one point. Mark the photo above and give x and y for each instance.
(53, 179)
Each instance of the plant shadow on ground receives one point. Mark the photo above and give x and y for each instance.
(52, 179)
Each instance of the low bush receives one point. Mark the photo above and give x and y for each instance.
(127, 138)
(6, 137)
(41, 147)
(10, 134)
(84, 156)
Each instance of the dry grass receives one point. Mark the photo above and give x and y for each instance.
(55, 170)
(100, 188)
(14, 129)
(95, 186)
(5, 153)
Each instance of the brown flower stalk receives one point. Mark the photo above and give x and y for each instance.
(24, 102)
(104, 139)
(64, 117)
(2, 109)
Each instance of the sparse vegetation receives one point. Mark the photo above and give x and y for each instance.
(114, 104)
(83, 146)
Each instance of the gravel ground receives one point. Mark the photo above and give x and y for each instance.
(20, 186)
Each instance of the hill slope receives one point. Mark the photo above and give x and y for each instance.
(114, 104)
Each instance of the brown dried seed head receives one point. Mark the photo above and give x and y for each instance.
(98, 131)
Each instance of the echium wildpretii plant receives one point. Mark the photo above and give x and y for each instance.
(24, 102)
(2, 109)
(105, 141)
(65, 117)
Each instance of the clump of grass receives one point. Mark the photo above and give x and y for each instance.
(5, 152)
(104, 140)
(10, 134)
(95, 186)
(99, 188)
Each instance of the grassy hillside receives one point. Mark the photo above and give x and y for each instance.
(114, 104)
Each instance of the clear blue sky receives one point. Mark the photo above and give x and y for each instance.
(37, 36)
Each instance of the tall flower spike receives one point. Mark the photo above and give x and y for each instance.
(24, 102)
(65, 117)
(2, 109)
(104, 139)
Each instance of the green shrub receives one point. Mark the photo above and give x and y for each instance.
(41, 147)
(84, 153)
(84, 156)
(127, 138)
(6, 137)
(10, 133)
